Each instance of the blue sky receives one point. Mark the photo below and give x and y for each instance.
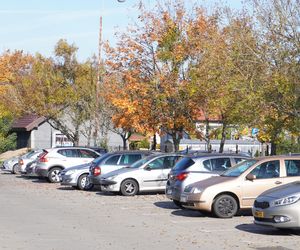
(36, 25)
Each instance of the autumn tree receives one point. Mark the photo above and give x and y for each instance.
(278, 23)
(149, 63)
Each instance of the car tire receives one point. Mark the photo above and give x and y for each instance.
(53, 175)
(129, 187)
(83, 183)
(178, 204)
(16, 169)
(225, 206)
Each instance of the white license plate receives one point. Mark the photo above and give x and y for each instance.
(183, 198)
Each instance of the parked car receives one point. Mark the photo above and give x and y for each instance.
(10, 165)
(148, 174)
(191, 169)
(76, 177)
(54, 160)
(113, 161)
(238, 187)
(28, 160)
(13, 164)
(279, 207)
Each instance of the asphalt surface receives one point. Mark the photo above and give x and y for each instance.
(39, 215)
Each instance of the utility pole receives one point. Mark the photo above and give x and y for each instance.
(99, 80)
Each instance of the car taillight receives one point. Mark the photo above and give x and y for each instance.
(96, 171)
(182, 176)
(21, 162)
(43, 158)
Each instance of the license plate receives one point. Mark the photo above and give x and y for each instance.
(259, 214)
(183, 198)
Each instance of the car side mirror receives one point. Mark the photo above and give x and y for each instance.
(147, 168)
(250, 177)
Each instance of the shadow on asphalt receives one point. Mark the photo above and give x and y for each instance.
(118, 194)
(166, 205)
(5, 173)
(187, 213)
(70, 188)
(255, 229)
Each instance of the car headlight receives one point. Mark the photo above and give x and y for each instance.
(196, 190)
(71, 172)
(111, 177)
(285, 201)
(193, 190)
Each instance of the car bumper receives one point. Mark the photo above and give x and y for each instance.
(6, 167)
(41, 172)
(173, 192)
(290, 216)
(192, 201)
(68, 180)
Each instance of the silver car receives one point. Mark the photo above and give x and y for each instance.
(10, 165)
(28, 160)
(279, 207)
(194, 168)
(15, 164)
(54, 160)
(148, 174)
(76, 177)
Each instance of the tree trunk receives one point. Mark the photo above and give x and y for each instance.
(207, 138)
(153, 146)
(124, 142)
(273, 148)
(176, 142)
(223, 138)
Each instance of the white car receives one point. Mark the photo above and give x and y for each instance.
(54, 160)
(148, 174)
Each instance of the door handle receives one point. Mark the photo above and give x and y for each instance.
(278, 182)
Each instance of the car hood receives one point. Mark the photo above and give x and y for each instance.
(283, 191)
(119, 172)
(79, 167)
(212, 181)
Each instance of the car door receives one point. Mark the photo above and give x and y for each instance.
(152, 175)
(267, 175)
(70, 158)
(155, 173)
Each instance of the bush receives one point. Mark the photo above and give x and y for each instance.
(8, 141)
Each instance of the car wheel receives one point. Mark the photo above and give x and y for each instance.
(225, 206)
(16, 169)
(178, 204)
(129, 187)
(53, 175)
(84, 183)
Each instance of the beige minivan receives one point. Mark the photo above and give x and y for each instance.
(238, 187)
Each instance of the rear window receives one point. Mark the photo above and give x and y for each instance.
(113, 160)
(292, 167)
(68, 152)
(183, 164)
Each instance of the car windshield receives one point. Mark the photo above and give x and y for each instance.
(238, 169)
(141, 162)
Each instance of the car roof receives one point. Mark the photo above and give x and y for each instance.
(210, 155)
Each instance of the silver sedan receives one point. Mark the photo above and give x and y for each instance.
(148, 174)
(279, 207)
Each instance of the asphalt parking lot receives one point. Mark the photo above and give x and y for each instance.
(39, 215)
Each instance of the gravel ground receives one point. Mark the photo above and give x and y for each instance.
(39, 215)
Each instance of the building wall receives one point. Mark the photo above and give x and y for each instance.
(46, 137)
